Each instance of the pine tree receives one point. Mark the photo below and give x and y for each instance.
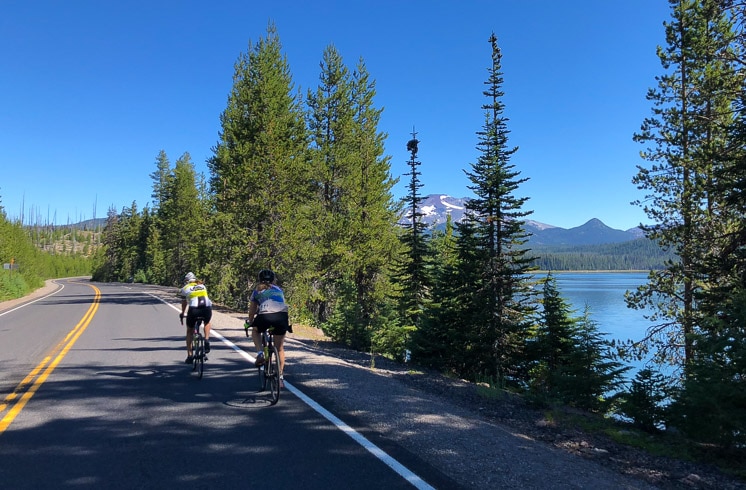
(434, 343)
(554, 341)
(155, 262)
(182, 222)
(689, 133)
(107, 263)
(358, 214)
(714, 378)
(412, 280)
(330, 120)
(371, 210)
(260, 176)
(695, 184)
(592, 377)
(571, 360)
(130, 245)
(644, 402)
(463, 291)
(714, 384)
(502, 295)
(160, 178)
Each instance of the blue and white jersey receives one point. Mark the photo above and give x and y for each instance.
(270, 300)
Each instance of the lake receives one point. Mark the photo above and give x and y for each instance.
(604, 292)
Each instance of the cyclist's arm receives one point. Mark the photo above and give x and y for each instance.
(252, 311)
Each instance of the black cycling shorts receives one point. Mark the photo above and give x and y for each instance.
(203, 311)
(278, 320)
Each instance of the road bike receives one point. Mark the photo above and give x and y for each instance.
(198, 347)
(269, 372)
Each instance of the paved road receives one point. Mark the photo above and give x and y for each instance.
(94, 394)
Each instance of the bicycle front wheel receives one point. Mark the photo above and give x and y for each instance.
(272, 375)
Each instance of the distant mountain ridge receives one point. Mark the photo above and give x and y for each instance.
(435, 209)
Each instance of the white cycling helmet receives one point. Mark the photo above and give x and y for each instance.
(190, 277)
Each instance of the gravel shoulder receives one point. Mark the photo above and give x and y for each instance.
(472, 440)
(477, 441)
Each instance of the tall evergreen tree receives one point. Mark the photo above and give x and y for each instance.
(155, 262)
(107, 263)
(260, 175)
(434, 343)
(502, 296)
(130, 245)
(358, 213)
(183, 222)
(371, 208)
(330, 120)
(160, 177)
(715, 379)
(413, 278)
(696, 201)
(688, 132)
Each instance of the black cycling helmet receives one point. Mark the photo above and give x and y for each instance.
(266, 275)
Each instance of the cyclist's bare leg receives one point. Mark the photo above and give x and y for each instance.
(189, 335)
(280, 343)
(207, 332)
(257, 338)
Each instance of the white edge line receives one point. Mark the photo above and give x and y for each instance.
(399, 468)
(34, 301)
(403, 471)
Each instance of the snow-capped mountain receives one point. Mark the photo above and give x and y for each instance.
(435, 208)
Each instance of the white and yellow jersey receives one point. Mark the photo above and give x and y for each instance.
(195, 295)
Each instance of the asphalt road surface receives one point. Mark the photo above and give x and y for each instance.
(94, 393)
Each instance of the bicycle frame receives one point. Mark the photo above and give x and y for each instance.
(269, 372)
(198, 348)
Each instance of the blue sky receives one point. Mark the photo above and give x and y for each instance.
(92, 90)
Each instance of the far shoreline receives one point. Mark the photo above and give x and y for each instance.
(595, 271)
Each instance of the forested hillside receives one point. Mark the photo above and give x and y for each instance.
(32, 254)
(642, 254)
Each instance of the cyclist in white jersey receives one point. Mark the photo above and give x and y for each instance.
(194, 295)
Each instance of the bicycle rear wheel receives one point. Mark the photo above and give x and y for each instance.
(199, 354)
(272, 375)
(262, 371)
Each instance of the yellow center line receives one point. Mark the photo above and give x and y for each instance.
(63, 348)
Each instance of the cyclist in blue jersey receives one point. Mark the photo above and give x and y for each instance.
(194, 295)
(267, 308)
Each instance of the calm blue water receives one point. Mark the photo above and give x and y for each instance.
(604, 292)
